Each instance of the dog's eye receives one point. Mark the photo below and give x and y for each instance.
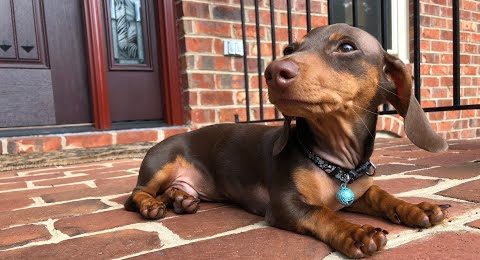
(346, 47)
(290, 48)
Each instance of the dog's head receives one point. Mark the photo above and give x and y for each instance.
(339, 69)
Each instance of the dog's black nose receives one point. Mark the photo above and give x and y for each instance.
(281, 73)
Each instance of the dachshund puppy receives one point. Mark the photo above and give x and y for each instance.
(297, 176)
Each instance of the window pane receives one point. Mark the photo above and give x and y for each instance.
(127, 31)
(389, 23)
(369, 17)
(342, 11)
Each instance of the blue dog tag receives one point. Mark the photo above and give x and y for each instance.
(345, 195)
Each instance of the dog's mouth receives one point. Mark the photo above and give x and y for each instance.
(305, 108)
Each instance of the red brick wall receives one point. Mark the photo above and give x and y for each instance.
(213, 83)
(436, 48)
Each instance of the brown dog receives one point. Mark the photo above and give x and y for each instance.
(332, 82)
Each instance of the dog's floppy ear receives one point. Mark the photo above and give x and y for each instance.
(282, 140)
(400, 95)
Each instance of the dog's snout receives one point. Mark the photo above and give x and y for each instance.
(281, 74)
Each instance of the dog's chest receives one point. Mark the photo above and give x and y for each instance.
(317, 188)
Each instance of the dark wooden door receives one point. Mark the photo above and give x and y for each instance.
(133, 68)
(42, 63)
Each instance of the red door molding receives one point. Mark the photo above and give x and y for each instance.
(97, 63)
(168, 46)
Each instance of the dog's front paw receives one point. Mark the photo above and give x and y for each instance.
(152, 209)
(420, 215)
(362, 241)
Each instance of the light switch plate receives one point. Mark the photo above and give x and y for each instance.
(233, 48)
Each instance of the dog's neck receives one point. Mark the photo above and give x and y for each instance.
(338, 140)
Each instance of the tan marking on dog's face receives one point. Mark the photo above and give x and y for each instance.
(319, 89)
(329, 80)
(335, 36)
(318, 189)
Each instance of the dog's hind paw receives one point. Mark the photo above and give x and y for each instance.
(364, 241)
(152, 209)
(182, 202)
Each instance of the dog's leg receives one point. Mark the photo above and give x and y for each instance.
(377, 202)
(350, 239)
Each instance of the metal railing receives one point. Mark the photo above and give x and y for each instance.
(386, 108)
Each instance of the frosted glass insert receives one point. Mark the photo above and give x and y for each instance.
(127, 32)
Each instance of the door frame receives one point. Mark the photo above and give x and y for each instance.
(97, 63)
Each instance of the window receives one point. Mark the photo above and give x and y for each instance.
(128, 34)
(22, 35)
(367, 15)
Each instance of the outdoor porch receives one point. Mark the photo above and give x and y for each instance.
(75, 211)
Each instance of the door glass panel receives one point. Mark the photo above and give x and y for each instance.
(127, 21)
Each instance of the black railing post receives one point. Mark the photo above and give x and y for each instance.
(308, 15)
(456, 52)
(245, 60)
(259, 60)
(289, 20)
(416, 48)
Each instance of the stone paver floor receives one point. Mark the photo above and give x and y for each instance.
(76, 212)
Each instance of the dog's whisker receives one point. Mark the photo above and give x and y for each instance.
(388, 90)
(369, 111)
(363, 122)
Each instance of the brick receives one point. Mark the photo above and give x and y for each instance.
(105, 188)
(211, 28)
(469, 191)
(199, 115)
(30, 215)
(210, 222)
(52, 144)
(429, 33)
(450, 245)
(395, 186)
(228, 13)
(129, 137)
(461, 171)
(167, 132)
(218, 63)
(12, 185)
(196, 80)
(109, 245)
(88, 141)
(195, 9)
(77, 225)
(395, 168)
(15, 204)
(203, 45)
(265, 243)
(216, 98)
(447, 158)
(30, 193)
(72, 168)
(227, 81)
(18, 236)
(34, 144)
(90, 177)
(228, 114)
(474, 224)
